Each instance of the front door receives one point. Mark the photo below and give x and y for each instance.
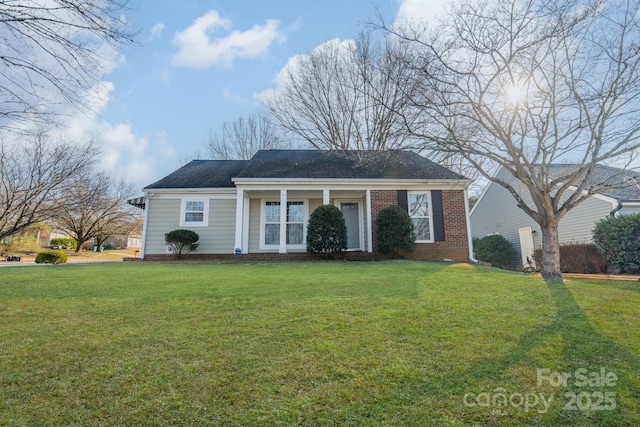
(351, 213)
(526, 245)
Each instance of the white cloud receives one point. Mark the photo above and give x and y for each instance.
(156, 31)
(197, 48)
(292, 67)
(420, 11)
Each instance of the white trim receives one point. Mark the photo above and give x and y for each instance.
(369, 223)
(245, 224)
(205, 213)
(147, 206)
(239, 220)
(430, 218)
(211, 193)
(325, 196)
(305, 213)
(468, 219)
(351, 184)
(360, 221)
(283, 222)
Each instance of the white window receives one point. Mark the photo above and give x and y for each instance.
(272, 224)
(295, 223)
(420, 213)
(296, 218)
(194, 213)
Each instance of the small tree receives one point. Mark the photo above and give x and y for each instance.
(395, 231)
(182, 241)
(618, 240)
(327, 231)
(494, 249)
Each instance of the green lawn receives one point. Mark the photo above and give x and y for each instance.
(385, 343)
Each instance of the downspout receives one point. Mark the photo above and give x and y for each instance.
(469, 238)
(615, 211)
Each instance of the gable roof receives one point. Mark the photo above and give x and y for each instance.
(307, 164)
(621, 184)
(202, 174)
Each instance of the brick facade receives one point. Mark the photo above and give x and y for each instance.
(456, 244)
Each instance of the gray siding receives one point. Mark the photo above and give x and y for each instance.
(217, 238)
(496, 212)
(163, 216)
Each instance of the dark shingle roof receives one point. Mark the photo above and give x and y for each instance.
(620, 184)
(202, 174)
(306, 164)
(315, 164)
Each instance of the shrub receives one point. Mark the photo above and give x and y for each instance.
(395, 231)
(182, 241)
(618, 240)
(326, 231)
(64, 242)
(577, 258)
(494, 249)
(51, 257)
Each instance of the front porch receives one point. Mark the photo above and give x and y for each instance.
(262, 226)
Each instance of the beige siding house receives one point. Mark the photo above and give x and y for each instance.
(260, 207)
(496, 212)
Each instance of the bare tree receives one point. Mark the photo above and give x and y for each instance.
(35, 176)
(344, 95)
(240, 139)
(526, 84)
(97, 206)
(120, 227)
(52, 49)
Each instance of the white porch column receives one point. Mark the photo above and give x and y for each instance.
(245, 224)
(325, 196)
(239, 219)
(369, 224)
(283, 222)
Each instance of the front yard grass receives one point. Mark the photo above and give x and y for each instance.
(385, 343)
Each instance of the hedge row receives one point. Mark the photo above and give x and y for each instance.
(577, 258)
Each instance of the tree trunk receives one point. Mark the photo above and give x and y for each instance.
(550, 252)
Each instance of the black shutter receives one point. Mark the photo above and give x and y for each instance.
(403, 202)
(438, 216)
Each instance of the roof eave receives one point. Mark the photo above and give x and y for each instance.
(352, 182)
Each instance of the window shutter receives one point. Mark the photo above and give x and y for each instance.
(438, 216)
(403, 201)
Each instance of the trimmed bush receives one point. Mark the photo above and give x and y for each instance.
(64, 242)
(326, 231)
(395, 231)
(182, 241)
(618, 240)
(581, 258)
(494, 249)
(51, 257)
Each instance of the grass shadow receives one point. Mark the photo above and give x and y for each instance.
(582, 348)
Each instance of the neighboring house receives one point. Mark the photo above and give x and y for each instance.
(496, 212)
(235, 205)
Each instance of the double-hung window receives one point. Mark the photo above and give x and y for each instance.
(295, 224)
(420, 213)
(271, 224)
(194, 213)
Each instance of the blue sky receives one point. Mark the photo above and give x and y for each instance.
(201, 63)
